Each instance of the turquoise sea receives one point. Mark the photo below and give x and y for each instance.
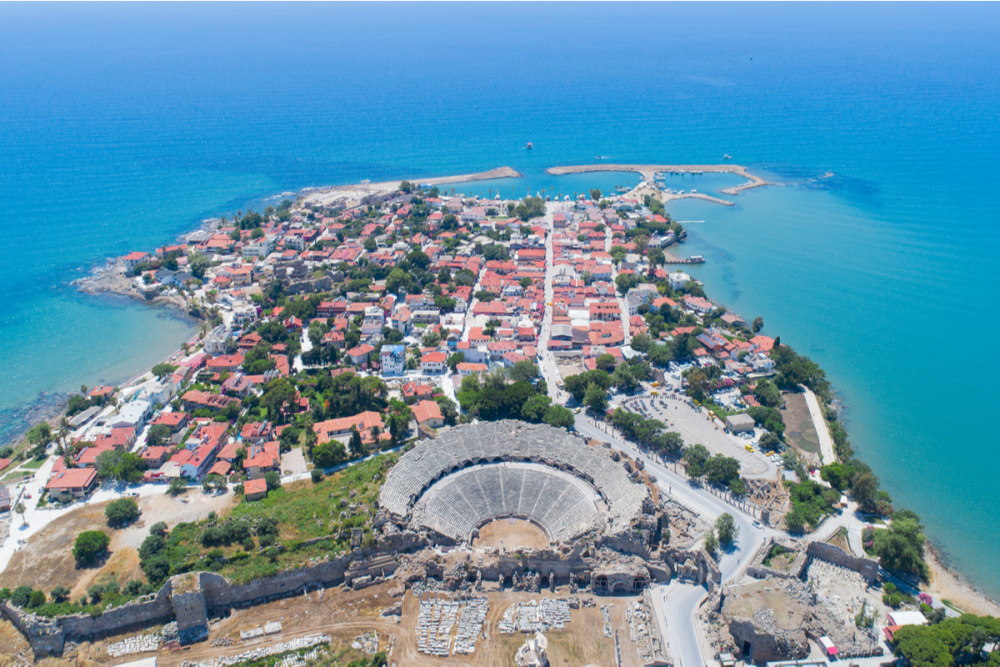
(122, 126)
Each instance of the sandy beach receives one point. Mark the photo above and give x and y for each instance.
(329, 195)
(946, 584)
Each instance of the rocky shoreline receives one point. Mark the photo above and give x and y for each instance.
(47, 406)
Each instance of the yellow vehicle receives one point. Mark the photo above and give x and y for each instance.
(655, 384)
(655, 393)
(749, 448)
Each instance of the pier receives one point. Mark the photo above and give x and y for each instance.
(693, 259)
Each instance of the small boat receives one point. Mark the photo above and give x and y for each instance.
(529, 146)
(600, 157)
(727, 156)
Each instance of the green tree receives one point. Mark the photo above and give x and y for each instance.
(161, 369)
(768, 394)
(90, 545)
(900, 547)
(711, 543)
(198, 264)
(21, 596)
(558, 416)
(119, 465)
(121, 512)
(535, 407)
(864, 490)
(695, 459)
(722, 470)
(605, 362)
(838, 475)
(953, 641)
(596, 398)
(794, 521)
(177, 486)
(40, 434)
(213, 483)
(530, 207)
(419, 259)
(523, 371)
(758, 324)
(273, 480)
(157, 435)
(727, 529)
(454, 360)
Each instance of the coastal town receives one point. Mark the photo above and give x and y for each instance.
(429, 428)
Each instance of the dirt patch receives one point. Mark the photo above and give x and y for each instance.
(14, 648)
(346, 614)
(516, 533)
(46, 561)
(342, 614)
(839, 539)
(799, 429)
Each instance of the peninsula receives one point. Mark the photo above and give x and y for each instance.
(415, 425)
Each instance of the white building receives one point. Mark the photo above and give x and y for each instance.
(393, 360)
(678, 279)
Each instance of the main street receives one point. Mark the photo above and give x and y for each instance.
(676, 605)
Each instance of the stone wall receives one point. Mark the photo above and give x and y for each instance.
(866, 567)
(47, 636)
(206, 594)
(695, 566)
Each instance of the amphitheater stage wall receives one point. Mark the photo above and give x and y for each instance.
(831, 553)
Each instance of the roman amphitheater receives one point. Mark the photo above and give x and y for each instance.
(501, 508)
(474, 475)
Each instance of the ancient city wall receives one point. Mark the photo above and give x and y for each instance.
(211, 595)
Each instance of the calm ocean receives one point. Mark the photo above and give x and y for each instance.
(124, 125)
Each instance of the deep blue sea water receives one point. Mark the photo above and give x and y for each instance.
(124, 125)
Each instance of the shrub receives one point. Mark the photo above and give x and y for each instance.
(121, 512)
(273, 480)
(21, 596)
(89, 546)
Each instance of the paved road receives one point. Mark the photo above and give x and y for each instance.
(678, 602)
(546, 360)
(622, 305)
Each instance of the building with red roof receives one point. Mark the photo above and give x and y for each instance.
(261, 459)
(428, 413)
(255, 489)
(71, 484)
(367, 423)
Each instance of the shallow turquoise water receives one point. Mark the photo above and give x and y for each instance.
(123, 125)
